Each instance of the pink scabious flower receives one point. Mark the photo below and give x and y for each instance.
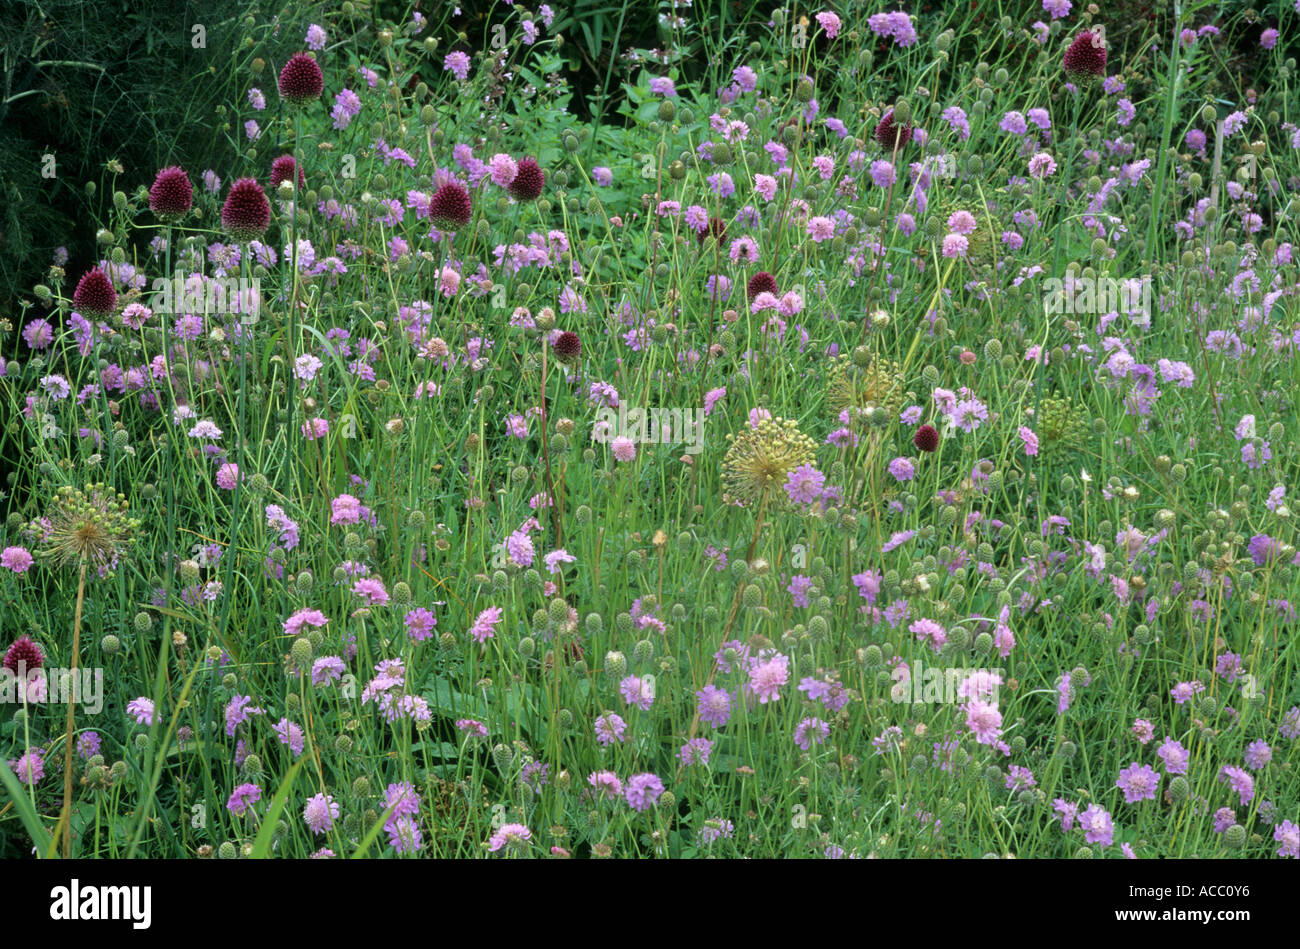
(514, 836)
(320, 813)
(371, 589)
(955, 245)
(662, 86)
(315, 37)
(345, 509)
(1268, 39)
(821, 229)
(1097, 825)
(17, 559)
(457, 64)
(643, 790)
(484, 627)
(607, 784)
(472, 726)
(142, 710)
(883, 174)
(962, 222)
(1143, 730)
(984, 720)
(1068, 812)
(1183, 691)
(294, 624)
(712, 397)
(767, 675)
(419, 624)
(623, 448)
(237, 711)
(1042, 165)
(1138, 782)
(929, 630)
(829, 22)
(1029, 439)
(503, 169)
(228, 476)
(29, 768)
(714, 705)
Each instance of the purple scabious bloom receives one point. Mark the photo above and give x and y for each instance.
(610, 728)
(1097, 825)
(804, 485)
(1138, 782)
(242, 798)
(607, 784)
(1240, 780)
(142, 710)
(798, 589)
(1174, 756)
(902, 469)
(811, 730)
(695, 751)
(714, 705)
(643, 791)
(1257, 755)
(320, 813)
(290, 734)
(638, 691)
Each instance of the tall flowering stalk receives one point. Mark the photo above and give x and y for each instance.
(86, 527)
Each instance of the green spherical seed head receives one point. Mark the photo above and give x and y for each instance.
(1234, 838)
(615, 664)
(110, 645)
(343, 744)
(527, 645)
(227, 851)
(624, 623)
(1083, 853)
(253, 765)
(558, 610)
(594, 623)
(301, 653)
(1068, 749)
(643, 652)
(1179, 789)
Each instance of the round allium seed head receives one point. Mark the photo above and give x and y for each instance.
(172, 195)
(568, 348)
(558, 610)
(247, 213)
(282, 170)
(110, 645)
(1085, 58)
(227, 851)
(615, 664)
(888, 131)
(529, 181)
(926, 438)
(761, 282)
(94, 295)
(643, 652)
(451, 205)
(752, 598)
(301, 80)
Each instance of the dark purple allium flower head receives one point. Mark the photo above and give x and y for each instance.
(451, 205)
(301, 80)
(246, 214)
(714, 227)
(887, 130)
(926, 438)
(528, 182)
(761, 282)
(94, 295)
(282, 170)
(1085, 58)
(25, 651)
(568, 348)
(172, 195)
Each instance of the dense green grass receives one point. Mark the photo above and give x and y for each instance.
(1105, 517)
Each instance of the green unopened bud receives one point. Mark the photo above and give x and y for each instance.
(301, 653)
(527, 646)
(643, 652)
